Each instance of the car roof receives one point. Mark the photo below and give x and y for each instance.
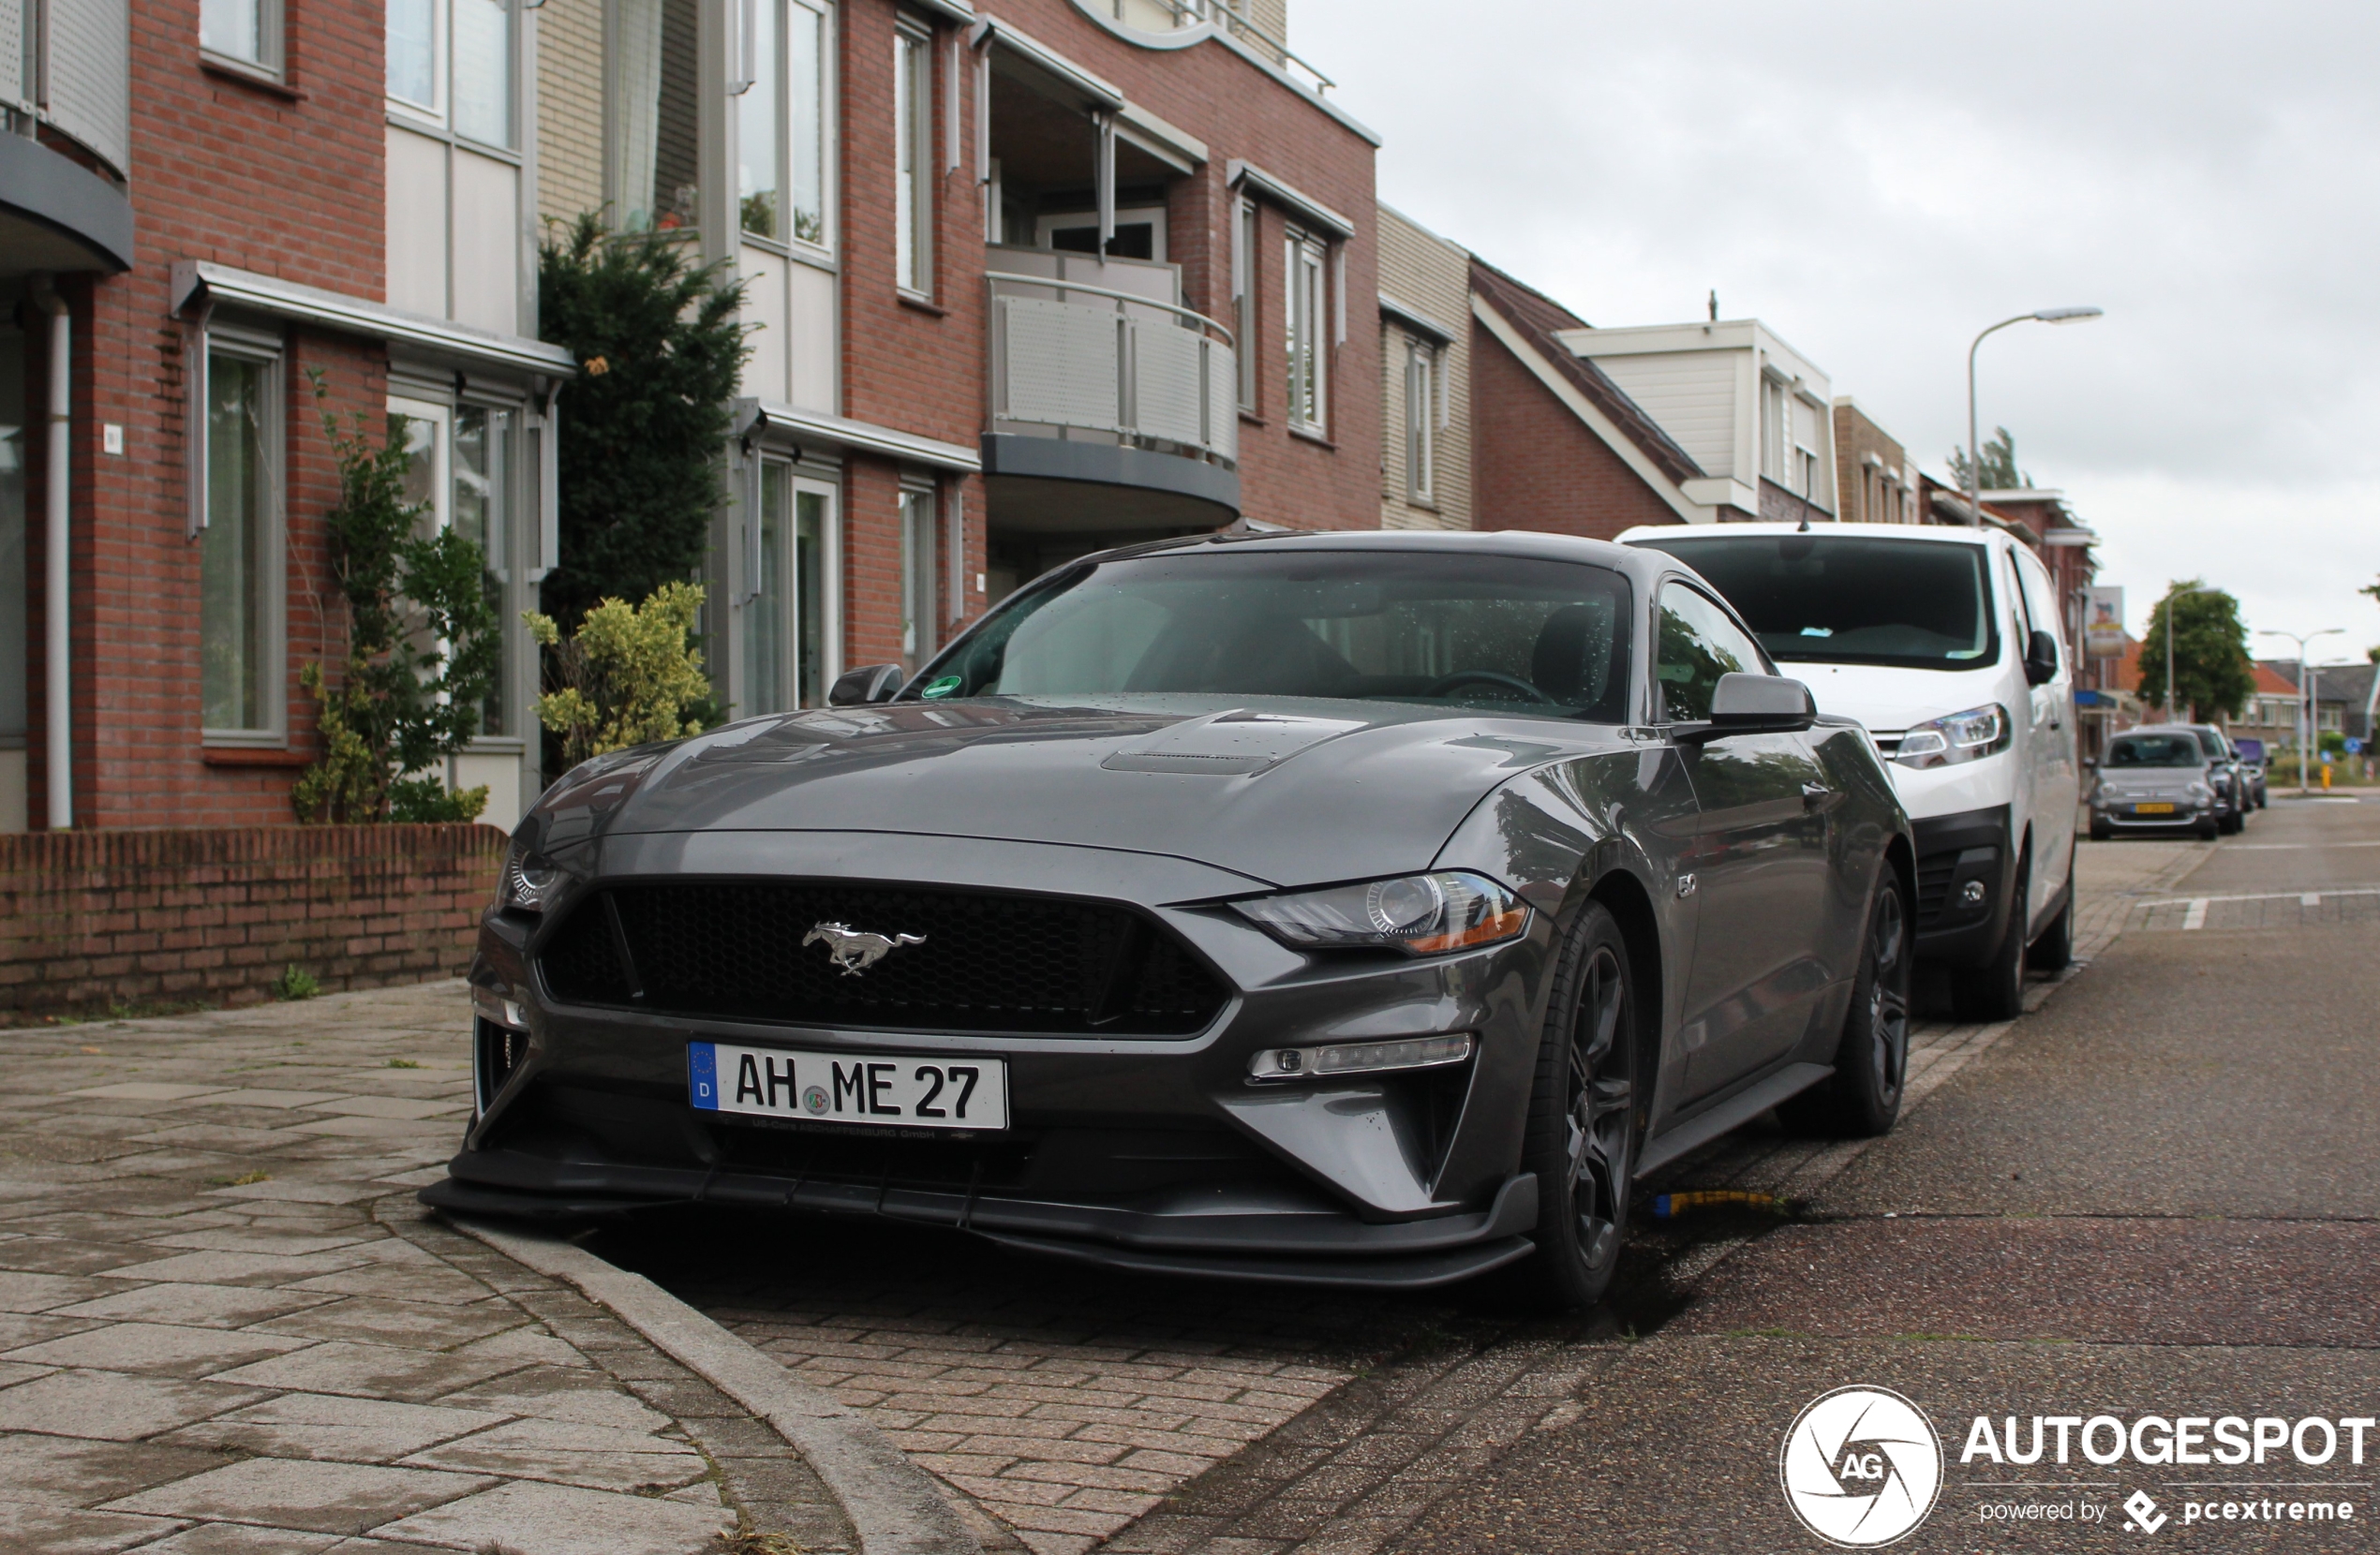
(1535, 544)
(1933, 533)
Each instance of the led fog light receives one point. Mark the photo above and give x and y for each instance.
(1360, 1058)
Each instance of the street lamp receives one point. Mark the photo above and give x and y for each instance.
(2168, 602)
(2301, 641)
(1974, 448)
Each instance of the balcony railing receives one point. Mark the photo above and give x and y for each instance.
(1074, 360)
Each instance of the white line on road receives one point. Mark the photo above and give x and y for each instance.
(2290, 847)
(2196, 916)
(2311, 898)
(2199, 902)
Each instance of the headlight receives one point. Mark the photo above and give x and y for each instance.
(1967, 736)
(1358, 1057)
(526, 883)
(2198, 790)
(1419, 915)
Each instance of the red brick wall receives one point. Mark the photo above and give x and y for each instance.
(1536, 465)
(99, 917)
(288, 184)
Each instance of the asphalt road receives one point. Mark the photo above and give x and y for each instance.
(2158, 1195)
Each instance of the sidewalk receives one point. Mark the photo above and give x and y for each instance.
(226, 1327)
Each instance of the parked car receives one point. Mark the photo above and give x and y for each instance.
(2229, 777)
(1347, 908)
(2154, 780)
(1941, 642)
(2253, 768)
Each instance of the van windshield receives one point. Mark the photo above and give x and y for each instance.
(1839, 600)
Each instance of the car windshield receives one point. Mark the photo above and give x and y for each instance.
(2147, 750)
(1839, 600)
(1509, 633)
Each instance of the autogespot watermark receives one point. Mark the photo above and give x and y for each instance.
(1862, 1466)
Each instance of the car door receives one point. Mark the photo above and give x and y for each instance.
(2057, 772)
(1759, 858)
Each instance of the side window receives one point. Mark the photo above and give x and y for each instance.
(2019, 613)
(1697, 645)
(2040, 599)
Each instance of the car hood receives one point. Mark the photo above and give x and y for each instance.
(1885, 699)
(1288, 792)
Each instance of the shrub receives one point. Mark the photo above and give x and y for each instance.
(295, 981)
(630, 674)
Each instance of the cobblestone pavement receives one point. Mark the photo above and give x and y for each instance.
(226, 1328)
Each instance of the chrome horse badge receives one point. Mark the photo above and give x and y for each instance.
(853, 953)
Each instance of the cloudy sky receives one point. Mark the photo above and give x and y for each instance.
(1876, 180)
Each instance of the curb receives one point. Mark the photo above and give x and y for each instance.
(894, 1506)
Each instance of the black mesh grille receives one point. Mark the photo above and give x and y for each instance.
(1933, 887)
(987, 963)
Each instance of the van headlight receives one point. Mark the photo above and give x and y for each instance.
(1968, 736)
(1418, 914)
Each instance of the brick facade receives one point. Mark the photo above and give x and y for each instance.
(99, 917)
(1539, 466)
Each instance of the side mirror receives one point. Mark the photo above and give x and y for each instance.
(866, 684)
(1753, 704)
(2091, 764)
(2040, 659)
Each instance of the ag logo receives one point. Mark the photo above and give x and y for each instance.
(1861, 1467)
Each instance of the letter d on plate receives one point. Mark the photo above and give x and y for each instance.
(702, 1077)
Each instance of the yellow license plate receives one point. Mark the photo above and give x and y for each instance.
(2152, 809)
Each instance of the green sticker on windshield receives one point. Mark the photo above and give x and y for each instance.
(941, 685)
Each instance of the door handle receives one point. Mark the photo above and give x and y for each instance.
(1816, 797)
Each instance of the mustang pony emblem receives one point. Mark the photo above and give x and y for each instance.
(854, 952)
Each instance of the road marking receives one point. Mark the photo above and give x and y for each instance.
(2311, 898)
(2261, 897)
(2291, 847)
(2196, 916)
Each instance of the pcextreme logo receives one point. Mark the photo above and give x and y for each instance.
(1861, 1467)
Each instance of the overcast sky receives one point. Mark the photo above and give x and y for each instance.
(1876, 180)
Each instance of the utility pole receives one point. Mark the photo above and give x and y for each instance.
(2304, 687)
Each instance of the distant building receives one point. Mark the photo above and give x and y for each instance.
(1875, 480)
(1425, 377)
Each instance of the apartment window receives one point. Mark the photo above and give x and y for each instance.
(785, 624)
(656, 74)
(1421, 413)
(1244, 299)
(245, 31)
(781, 136)
(913, 139)
(1304, 265)
(917, 535)
(458, 464)
(452, 61)
(240, 571)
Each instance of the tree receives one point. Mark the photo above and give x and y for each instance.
(660, 353)
(1999, 472)
(630, 674)
(421, 648)
(2212, 673)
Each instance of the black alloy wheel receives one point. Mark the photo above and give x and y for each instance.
(1996, 990)
(1583, 1122)
(1861, 1098)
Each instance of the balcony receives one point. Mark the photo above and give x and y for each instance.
(1114, 410)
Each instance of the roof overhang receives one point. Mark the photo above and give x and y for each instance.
(1255, 180)
(840, 433)
(200, 282)
(1048, 69)
(1413, 318)
(57, 214)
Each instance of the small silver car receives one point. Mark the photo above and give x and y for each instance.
(2155, 780)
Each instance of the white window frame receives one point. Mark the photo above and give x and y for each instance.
(1243, 297)
(1424, 417)
(268, 350)
(437, 117)
(271, 43)
(435, 111)
(919, 566)
(912, 143)
(1306, 293)
(822, 250)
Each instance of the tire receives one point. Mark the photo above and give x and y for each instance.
(2232, 826)
(1861, 1098)
(1581, 1135)
(2102, 832)
(1996, 990)
(2208, 830)
(2053, 948)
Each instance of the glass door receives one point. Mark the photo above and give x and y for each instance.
(791, 619)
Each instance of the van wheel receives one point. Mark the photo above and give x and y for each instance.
(1996, 990)
(1860, 1100)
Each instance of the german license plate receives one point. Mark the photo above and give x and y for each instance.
(2152, 809)
(901, 1089)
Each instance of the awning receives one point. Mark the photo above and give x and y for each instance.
(840, 432)
(1054, 69)
(203, 282)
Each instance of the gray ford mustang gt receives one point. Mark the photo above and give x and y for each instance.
(1360, 909)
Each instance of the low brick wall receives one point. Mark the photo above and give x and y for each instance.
(99, 918)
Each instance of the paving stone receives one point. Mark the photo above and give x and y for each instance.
(560, 1520)
(414, 1325)
(324, 1498)
(232, 1538)
(22, 1291)
(110, 1407)
(64, 1531)
(278, 1098)
(61, 1471)
(599, 1457)
(321, 1425)
(157, 1349)
(238, 1268)
(193, 1306)
(145, 1090)
(430, 1282)
(68, 1256)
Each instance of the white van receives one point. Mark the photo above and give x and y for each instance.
(1944, 643)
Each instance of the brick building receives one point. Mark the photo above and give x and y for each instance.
(1019, 284)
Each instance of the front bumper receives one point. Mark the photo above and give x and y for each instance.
(1965, 880)
(1149, 1154)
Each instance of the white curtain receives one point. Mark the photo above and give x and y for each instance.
(636, 129)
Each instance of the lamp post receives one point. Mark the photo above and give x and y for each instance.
(1974, 448)
(2301, 639)
(2168, 602)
